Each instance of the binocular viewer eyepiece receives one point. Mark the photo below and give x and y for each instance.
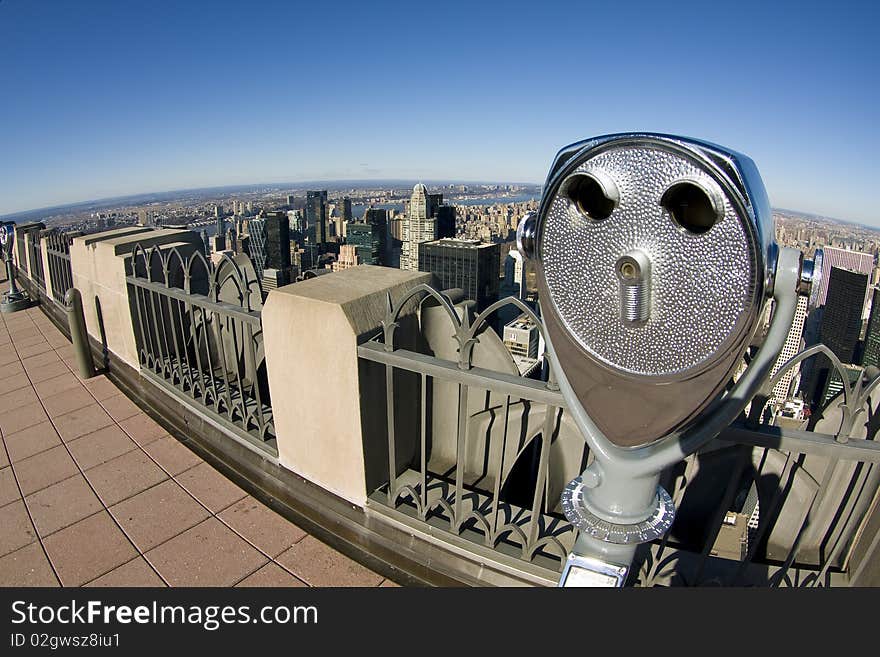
(7, 231)
(656, 265)
(655, 260)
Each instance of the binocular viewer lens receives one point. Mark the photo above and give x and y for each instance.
(655, 261)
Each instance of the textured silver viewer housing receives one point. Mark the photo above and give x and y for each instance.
(655, 261)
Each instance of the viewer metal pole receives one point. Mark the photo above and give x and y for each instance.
(14, 299)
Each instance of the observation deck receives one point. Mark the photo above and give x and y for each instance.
(94, 492)
(379, 431)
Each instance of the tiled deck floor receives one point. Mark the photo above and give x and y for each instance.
(94, 492)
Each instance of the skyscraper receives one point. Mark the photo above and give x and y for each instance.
(840, 326)
(277, 227)
(445, 221)
(512, 285)
(257, 244)
(367, 240)
(871, 352)
(793, 344)
(345, 209)
(378, 217)
(316, 218)
(515, 274)
(466, 264)
(221, 229)
(418, 227)
(854, 261)
(842, 320)
(395, 226)
(443, 214)
(434, 202)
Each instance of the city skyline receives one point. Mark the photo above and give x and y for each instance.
(220, 97)
(300, 187)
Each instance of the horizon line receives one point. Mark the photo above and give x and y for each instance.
(110, 199)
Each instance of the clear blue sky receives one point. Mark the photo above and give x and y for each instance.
(108, 98)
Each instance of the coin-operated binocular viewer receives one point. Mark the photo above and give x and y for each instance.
(14, 299)
(656, 262)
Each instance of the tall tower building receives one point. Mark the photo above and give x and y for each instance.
(396, 228)
(842, 320)
(840, 326)
(465, 264)
(378, 219)
(444, 214)
(277, 246)
(367, 240)
(515, 273)
(445, 221)
(793, 345)
(871, 354)
(418, 226)
(257, 244)
(512, 285)
(377, 216)
(345, 209)
(434, 203)
(316, 219)
(854, 261)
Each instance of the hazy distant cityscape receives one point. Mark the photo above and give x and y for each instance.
(198, 205)
(465, 234)
(197, 208)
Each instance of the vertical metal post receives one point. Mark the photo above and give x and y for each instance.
(617, 502)
(10, 275)
(76, 321)
(15, 299)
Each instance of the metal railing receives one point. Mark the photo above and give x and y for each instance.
(37, 260)
(490, 480)
(760, 505)
(198, 332)
(788, 506)
(58, 256)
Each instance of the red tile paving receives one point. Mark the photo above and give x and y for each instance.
(94, 492)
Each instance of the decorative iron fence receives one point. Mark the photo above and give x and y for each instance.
(58, 257)
(36, 260)
(762, 504)
(492, 446)
(198, 331)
